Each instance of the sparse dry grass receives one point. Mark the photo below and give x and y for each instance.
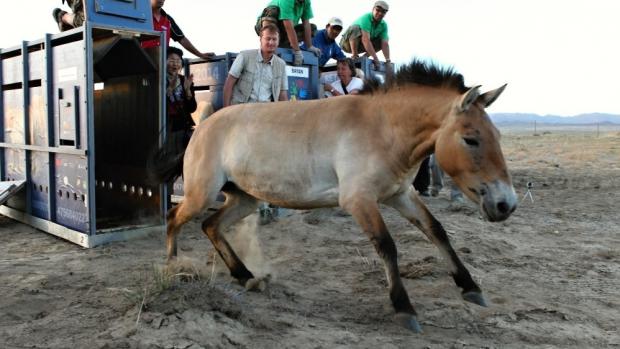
(572, 148)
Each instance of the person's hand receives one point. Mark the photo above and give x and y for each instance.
(330, 89)
(188, 84)
(315, 50)
(355, 56)
(299, 58)
(376, 63)
(388, 65)
(207, 55)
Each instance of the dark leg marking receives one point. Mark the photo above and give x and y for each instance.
(238, 205)
(470, 290)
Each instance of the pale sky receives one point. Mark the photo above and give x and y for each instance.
(557, 56)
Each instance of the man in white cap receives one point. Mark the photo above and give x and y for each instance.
(325, 40)
(369, 34)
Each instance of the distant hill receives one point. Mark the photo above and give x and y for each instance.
(581, 119)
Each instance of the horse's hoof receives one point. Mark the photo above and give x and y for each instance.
(255, 284)
(476, 298)
(408, 321)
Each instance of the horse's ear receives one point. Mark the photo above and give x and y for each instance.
(468, 98)
(489, 97)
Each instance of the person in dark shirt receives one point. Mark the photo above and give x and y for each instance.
(325, 40)
(180, 104)
(162, 21)
(180, 98)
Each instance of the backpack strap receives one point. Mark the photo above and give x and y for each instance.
(344, 88)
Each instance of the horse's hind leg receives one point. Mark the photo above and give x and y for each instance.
(237, 206)
(175, 219)
(412, 208)
(366, 213)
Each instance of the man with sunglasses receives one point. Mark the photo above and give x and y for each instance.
(369, 34)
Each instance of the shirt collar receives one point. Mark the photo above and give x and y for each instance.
(326, 38)
(260, 58)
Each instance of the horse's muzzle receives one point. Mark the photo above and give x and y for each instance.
(498, 201)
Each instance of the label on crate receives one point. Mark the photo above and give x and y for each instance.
(300, 72)
(67, 74)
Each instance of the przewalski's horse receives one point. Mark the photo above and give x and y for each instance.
(355, 152)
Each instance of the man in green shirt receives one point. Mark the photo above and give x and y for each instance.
(286, 14)
(369, 34)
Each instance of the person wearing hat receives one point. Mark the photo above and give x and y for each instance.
(285, 14)
(369, 34)
(325, 40)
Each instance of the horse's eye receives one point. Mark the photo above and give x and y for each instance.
(471, 142)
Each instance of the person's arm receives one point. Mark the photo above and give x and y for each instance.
(283, 85)
(353, 44)
(385, 48)
(337, 52)
(307, 33)
(190, 97)
(228, 89)
(177, 35)
(283, 95)
(356, 86)
(190, 47)
(292, 36)
(234, 74)
(368, 45)
(308, 38)
(329, 88)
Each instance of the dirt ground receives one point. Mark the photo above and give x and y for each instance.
(551, 273)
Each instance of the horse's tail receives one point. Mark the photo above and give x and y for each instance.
(165, 163)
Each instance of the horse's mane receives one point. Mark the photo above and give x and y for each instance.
(421, 73)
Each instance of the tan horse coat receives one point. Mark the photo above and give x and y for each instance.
(351, 151)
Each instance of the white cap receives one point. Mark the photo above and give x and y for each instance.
(384, 5)
(335, 21)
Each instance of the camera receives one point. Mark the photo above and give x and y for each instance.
(529, 185)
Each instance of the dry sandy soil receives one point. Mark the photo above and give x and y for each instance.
(551, 273)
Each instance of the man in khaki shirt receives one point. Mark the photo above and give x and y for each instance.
(258, 76)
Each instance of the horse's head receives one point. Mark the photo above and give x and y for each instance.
(468, 150)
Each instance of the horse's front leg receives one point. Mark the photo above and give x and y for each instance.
(412, 208)
(366, 213)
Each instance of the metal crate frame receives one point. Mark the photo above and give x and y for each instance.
(92, 236)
